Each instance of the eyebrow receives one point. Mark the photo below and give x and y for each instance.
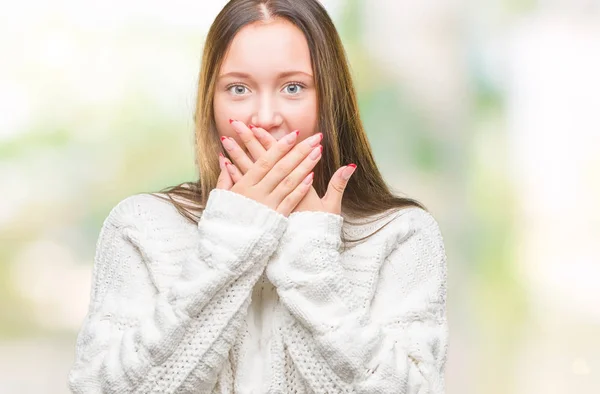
(238, 74)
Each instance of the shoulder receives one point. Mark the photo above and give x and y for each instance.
(397, 223)
(420, 228)
(418, 254)
(146, 227)
(144, 211)
(412, 231)
(419, 221)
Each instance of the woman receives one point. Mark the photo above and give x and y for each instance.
(246, 281)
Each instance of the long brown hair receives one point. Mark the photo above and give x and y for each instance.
(344, 139)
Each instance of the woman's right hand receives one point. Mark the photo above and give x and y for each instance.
(278, 179)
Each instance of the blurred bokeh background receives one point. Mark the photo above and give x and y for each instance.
(488, 112)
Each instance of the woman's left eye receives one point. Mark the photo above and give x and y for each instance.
(293, 88)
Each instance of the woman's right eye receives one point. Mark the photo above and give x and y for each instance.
(237, 90)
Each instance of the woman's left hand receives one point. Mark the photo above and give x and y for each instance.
(257, 141)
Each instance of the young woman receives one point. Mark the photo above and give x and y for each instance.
(289, 266)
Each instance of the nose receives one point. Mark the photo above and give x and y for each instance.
(267, 115)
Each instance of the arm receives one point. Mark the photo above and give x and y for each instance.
(398, 344)
(136, 338)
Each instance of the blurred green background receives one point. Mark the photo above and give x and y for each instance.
(487, 112)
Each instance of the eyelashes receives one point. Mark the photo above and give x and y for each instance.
(236, 85)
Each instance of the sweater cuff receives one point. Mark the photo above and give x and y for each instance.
(243, 211)
(322, 225)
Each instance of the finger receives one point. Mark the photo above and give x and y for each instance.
(293, 199)
(224, 181)
(233, 171)
(335, 191)
(265, 163)
(266, 139)
(255, 148)
(284, 167)
(237, 154)
(289, 183)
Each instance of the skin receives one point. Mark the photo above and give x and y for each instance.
(265, 90)
(266, 80)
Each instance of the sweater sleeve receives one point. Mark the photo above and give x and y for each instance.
(139, 338)
(399, 343)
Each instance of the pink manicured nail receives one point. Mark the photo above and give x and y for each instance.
(251, 125)
(315, 153)
(308, 178)
(291, 138)
(231, 120)
(348, 171)
(230, 168)
(223, 138)
(228, 143)
(257, 133)
(315, 139)
(297, 132)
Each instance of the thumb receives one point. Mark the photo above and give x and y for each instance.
(224, 181)
(335, 191)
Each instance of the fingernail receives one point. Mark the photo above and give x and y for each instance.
(229, 167)
(291, 137)
(308, 178)
(348, 171)
(251, 126)
(257, 132)
(315, 139)
(237, 127)
(227, 143)
(297, 132)
(315, 153)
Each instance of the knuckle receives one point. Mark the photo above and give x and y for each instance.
(263, 164)
(288, 182)
(284, 167)
(338, 188)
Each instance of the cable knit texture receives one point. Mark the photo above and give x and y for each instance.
(250, 301)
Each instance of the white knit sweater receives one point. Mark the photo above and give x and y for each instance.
(250, 301)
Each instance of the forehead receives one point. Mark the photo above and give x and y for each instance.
(265, 47)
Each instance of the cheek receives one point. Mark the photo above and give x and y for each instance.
(223, 111)
(219, 114)
(304, 118)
